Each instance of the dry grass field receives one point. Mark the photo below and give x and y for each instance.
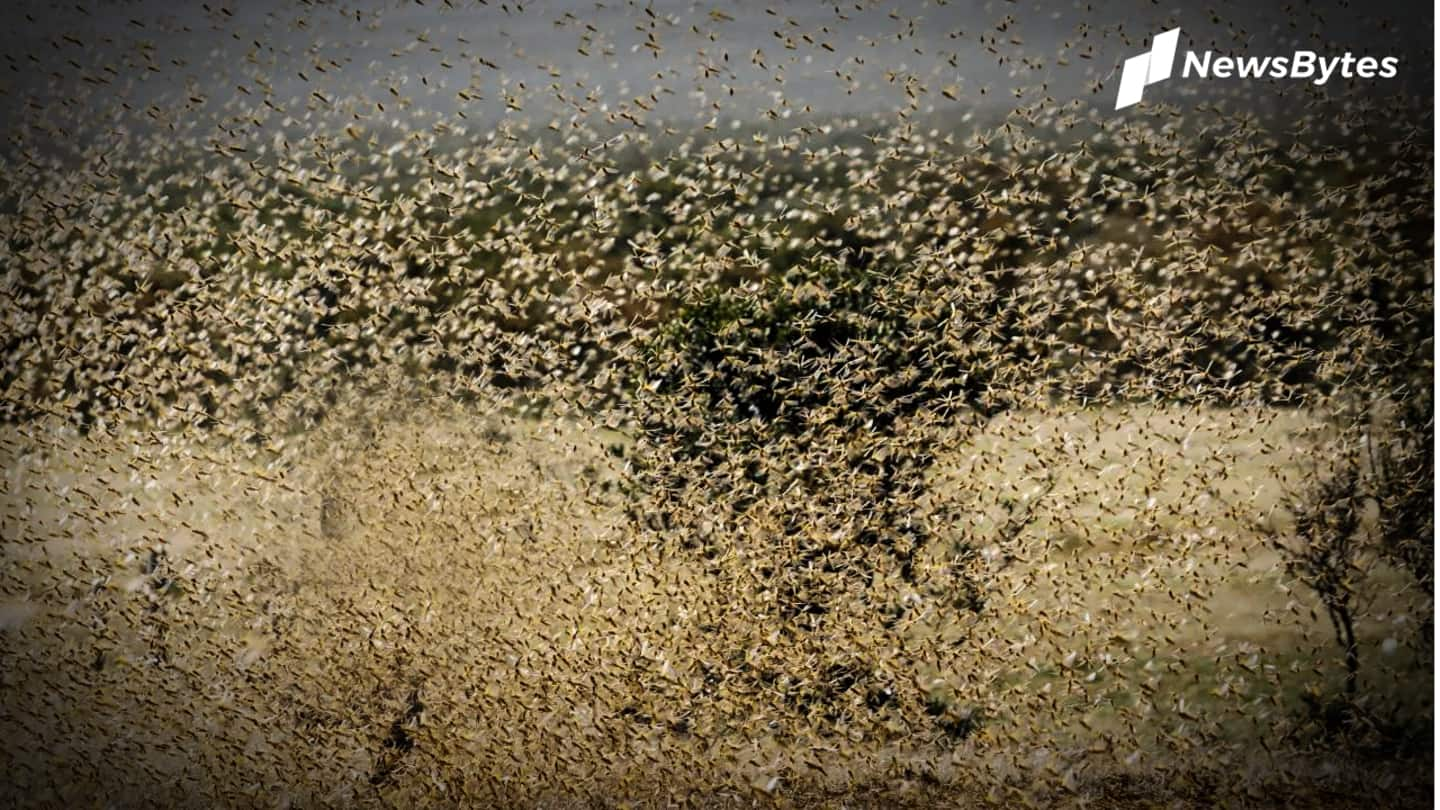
(448, 604)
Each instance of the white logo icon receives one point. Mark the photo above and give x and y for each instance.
(1147, 68)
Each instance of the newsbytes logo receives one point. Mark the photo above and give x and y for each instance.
(1158, 64)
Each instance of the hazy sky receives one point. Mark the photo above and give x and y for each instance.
(80, 61)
